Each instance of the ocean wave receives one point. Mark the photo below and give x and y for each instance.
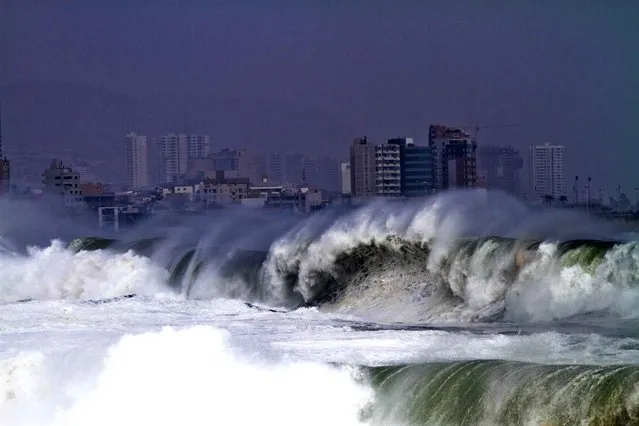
(191, 376)
(469, 256)
(55, 272)
(505, 393)
(476, 279)
(199, 375)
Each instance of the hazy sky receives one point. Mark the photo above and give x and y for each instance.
(567, 71)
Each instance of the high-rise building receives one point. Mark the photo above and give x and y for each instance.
(321, 172)
(137, 170)
(5, 176)
(198, 146)
(418, 165)
(546, 171)
(173, 151)
(292, 168)
(5, 166)
(1, 157)
(285, 168)
(388, 168)
(311, 172)
(345, 177)
(363, 173)
(455, 154)
(241, 161)
(499, 167)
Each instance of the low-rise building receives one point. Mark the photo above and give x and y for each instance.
(187, 191)
(91, 189)
(63, 182)
(224, 191)
(298, 199)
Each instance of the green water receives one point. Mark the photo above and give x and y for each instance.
(506, 393)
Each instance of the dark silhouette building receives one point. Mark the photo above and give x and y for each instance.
(499, 166)
(455, 155)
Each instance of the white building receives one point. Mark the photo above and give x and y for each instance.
(198, 146)
(173, 150)
(187, 191)
(546, 170)
(388, 166)
(345, 176)
(176, 149)
(63, 182)
(137, 170)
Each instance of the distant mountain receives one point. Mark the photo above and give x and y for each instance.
(89, 122)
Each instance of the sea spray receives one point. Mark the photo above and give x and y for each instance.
(191, 376)
(56, 272)
(470, 256)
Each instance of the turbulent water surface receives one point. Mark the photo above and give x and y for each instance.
(468, 309)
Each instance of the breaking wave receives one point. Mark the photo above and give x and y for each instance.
(460, 258)
(198, 375)
(506, 393)
(55, 272)
(452, 259)
(468, 256)
(191, 376)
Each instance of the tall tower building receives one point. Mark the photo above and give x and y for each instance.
(137, 170)
(345, 177)
(1, 153)
(174, 153)
(388, 168)
(286, 168)
(455, 156)
(5, 167)
(499, 166)
(418, 167)
(546, 170)
(199, 146)
(241, 161)
(321, 172)
(363, 173)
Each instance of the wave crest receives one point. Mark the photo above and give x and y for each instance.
(469, 256)
(55, 272)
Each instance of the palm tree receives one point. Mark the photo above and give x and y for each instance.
(562, 200)
(548, 199)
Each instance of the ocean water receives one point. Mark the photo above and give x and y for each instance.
(467, 309)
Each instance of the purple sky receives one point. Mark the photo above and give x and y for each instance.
(568, 73)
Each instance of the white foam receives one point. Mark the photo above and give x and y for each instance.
(57, 273)
(548, 290)
(191, 376)
(22, 386)
(544, 290)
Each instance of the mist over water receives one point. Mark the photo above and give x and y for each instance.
(284, 312)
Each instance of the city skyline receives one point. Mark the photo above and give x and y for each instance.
(318, 76)
(323, 212)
